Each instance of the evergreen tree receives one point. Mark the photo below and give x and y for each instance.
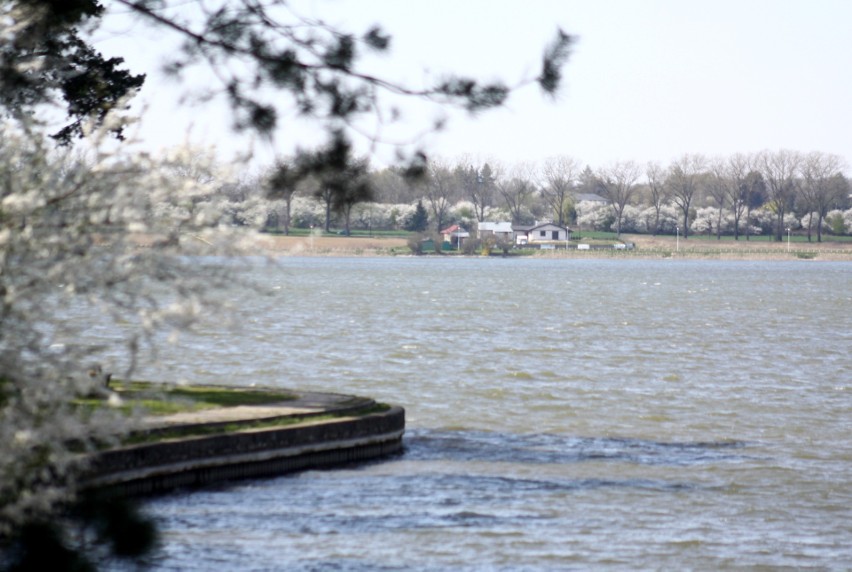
(44, 59)
(418, 221)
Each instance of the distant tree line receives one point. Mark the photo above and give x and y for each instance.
(742, 195)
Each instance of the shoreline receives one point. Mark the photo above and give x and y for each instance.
(646, 248)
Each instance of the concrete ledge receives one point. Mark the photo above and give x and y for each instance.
(196, 461)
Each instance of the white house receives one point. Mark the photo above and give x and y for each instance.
(541, 232)
(500, 230)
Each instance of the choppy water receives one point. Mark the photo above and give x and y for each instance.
(562, 414)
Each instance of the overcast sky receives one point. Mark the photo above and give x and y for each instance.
(648, 79)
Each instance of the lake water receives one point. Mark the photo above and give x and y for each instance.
(562, 414)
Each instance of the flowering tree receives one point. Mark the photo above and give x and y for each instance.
(594, 215)
(705, 221)
(70, 256)
(838, 222)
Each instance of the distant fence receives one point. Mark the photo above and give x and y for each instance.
(574, 246)
(631, 250)
(743, 252)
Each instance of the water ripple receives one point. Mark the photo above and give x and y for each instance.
(556, 449)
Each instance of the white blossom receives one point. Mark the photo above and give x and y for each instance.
(83, 240)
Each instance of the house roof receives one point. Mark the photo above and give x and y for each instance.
(589, 197)
(455, 230)
(528, 228)
(496, 226)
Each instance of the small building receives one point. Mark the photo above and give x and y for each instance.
(541, 233)
(502, 231)
(455, 236)
(589, 197)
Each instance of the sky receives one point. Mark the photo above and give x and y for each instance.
(648, 80)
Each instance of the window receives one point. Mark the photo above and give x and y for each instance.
(555, 235)
(542, 233)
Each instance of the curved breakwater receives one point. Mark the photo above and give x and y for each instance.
(195, 461)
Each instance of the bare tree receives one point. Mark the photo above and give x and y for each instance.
(390, 187)
(822, 186)
(658, 191)
(341, 178)
(517, 187)
(438, 188)
(780, 170)
(281, 184)
(718, 188)
(559, 176)
(682, 181)
(755, 195)
(324, 193)
(737, 169)
(485, 190)
(352, 186)
(617, 184)
(477, 183)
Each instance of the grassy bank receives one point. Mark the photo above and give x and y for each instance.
(155, 399)
(202, 430)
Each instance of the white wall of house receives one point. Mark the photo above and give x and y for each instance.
(547, 233)
(501, 230)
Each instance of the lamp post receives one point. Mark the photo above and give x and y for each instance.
(677, 238)
(788, 239)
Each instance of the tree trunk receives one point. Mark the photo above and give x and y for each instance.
(748, 218)
(347, 215)
(328, 216)
(719, 225)
(287, 217)
(779, 226)
(618, 214)
(810, 223)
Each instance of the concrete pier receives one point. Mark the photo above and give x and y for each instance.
(234, 453)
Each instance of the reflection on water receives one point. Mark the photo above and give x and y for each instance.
(563, 414)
